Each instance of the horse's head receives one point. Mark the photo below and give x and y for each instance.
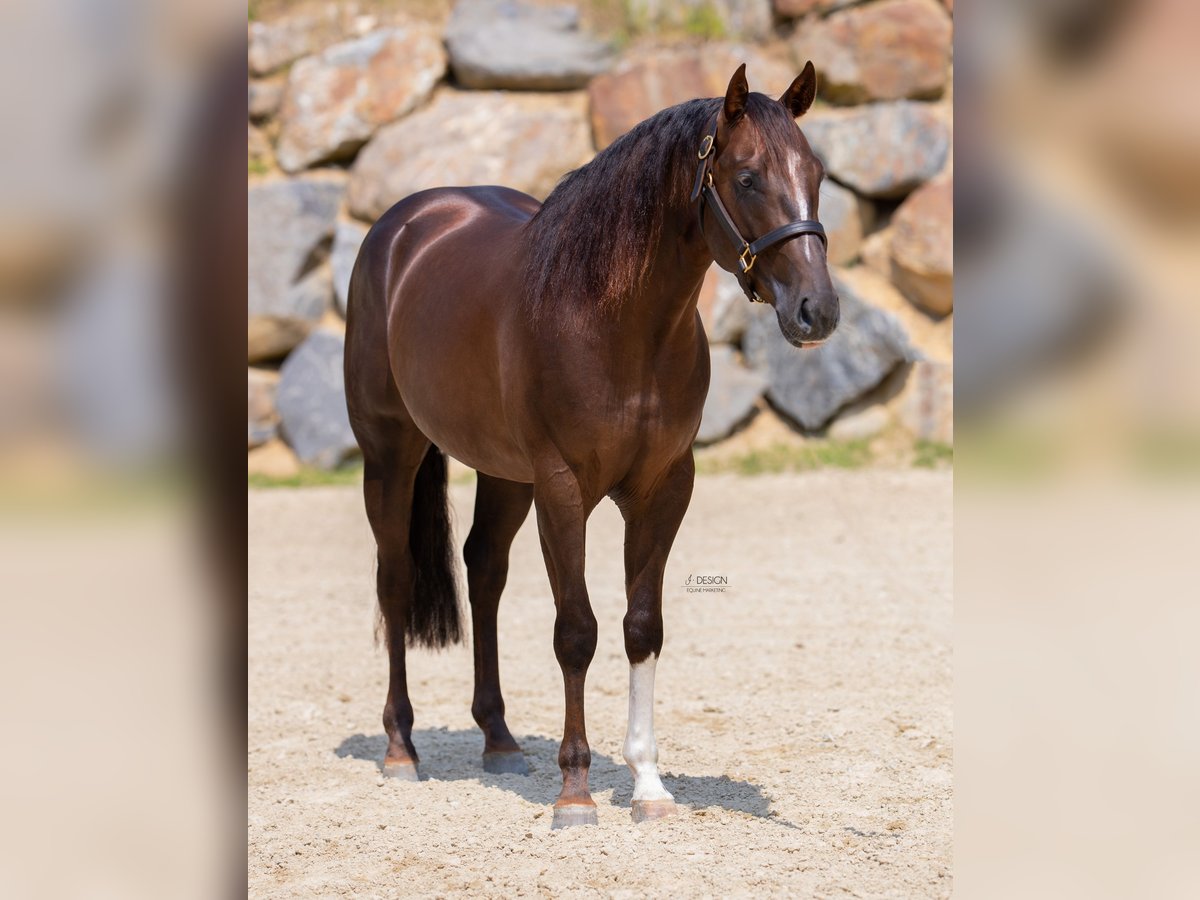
(766, 176)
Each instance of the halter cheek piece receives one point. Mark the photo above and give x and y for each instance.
(704, 191)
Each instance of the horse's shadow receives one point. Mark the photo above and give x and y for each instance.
(455, 755)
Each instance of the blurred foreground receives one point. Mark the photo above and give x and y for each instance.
(122, 241)
(1077, 502)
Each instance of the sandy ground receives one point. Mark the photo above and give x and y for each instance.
(803, 717)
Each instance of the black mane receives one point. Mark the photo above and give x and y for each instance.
(592, 240)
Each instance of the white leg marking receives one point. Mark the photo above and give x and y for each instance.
(641, 752)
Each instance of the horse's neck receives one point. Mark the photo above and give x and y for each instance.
(666, 304)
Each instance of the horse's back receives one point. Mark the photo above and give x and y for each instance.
(435, 289)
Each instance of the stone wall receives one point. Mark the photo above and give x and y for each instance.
(354, 105)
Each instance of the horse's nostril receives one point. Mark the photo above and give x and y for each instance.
(806, 317)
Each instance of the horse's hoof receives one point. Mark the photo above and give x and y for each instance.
(649, 810)
(510, 762)
(573, 814)
(401, 771)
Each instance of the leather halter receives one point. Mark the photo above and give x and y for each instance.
(704, 191)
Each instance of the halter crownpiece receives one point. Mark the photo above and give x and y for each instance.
(704, 191)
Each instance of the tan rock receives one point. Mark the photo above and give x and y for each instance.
(791, 9)
(274, 459)
(890, 50)
(337, 100)
(877, 252)
(925, 405)
(922, 247)
(524, 141)
(640, 87)
(261, 418)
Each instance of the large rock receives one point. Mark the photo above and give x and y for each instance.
(523, 141)
(922, 248)
(932, 338)
(262, 421)
(888, 50)
(877, 252)
(347, 238)
(883, 150)
(264, 97)
(733, 390)
(276, 43)
(791, 9)
(640, 87)
(311, 399)
(810, 386)
(841, 212)
(274, 460)
(705, 19)
(288, 281)
(311, 28)
(510, 44)
(925, 405)
(337, 100)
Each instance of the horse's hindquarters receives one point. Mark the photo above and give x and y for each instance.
(453, 298)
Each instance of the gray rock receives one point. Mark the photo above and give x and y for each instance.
(311, 399)
(524, 141)
(810, 386)
(512, 45)
(335, 101)
(860, 424)
(288, 283)
(841, 214)
(883, 150)
(733, 390)
(347, 238)
(263, 97)
(723, 307)
(262, 421)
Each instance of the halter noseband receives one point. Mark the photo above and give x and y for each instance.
(705, 191)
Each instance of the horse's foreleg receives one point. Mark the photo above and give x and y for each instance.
(562, 520)
(500, 508)
(650, 528)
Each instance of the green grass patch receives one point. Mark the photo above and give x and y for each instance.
(932, 454)
(792, 458)
(310, 477)
(704, 22)
(256, 167)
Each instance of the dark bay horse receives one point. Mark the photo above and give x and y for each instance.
(556, 348)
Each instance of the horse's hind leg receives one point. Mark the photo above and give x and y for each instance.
(393, 455)
(500, 508)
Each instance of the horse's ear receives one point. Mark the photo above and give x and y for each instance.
(736, 94)
(799, 97)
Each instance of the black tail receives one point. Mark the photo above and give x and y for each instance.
(434, 619)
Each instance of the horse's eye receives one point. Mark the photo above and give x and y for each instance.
(745, 180)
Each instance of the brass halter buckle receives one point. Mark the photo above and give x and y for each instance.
(746, 266)
(706, 146)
